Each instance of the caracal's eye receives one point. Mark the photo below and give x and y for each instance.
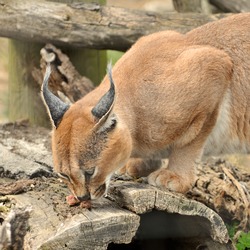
(64, 176)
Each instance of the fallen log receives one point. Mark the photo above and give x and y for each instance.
(133, 211)
(88, 25)
(108, 222)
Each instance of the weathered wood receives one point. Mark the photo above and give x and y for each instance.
(108, 222)
(198, 6)
(65, 81)
(88, 25)
(14, 229)
(142, 198)
(187, 5)
(220, 187)
(234, 6)
(131, 209)
(24, 151)
(15, 188)
(94, 229)
(24, 100)
(88, 62)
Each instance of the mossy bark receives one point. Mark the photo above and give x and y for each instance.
(24, 93)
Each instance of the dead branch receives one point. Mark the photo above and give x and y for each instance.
(15, 187)
(65, 81)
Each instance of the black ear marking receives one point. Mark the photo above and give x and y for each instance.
(56, 108)
(104, 106)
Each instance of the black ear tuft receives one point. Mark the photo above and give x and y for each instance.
(104, 106)
(56, 108)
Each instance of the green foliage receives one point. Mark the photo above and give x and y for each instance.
(243, 241)
(114, 56)
(232, 229)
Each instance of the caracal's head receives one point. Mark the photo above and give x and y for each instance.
(88, 143)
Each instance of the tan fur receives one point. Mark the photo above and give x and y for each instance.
(176, 95)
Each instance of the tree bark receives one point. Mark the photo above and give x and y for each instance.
(14, 229)
(197, 6)
(24, 99)
(187, 5)
(88, 62)
(131, 210)
(234, 6)
(88, 25)
(65, 81)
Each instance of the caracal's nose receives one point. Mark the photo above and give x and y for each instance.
(84, 197)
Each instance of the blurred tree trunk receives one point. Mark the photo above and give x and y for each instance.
(234, 6)
(89, 62)
(198, 6)
(24, 92)
(187, 5)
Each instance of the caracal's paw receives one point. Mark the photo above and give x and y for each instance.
(137, 167)
(170, 180)
(134, 168)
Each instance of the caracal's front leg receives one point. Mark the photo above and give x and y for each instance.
(185, 153)
(180, 174)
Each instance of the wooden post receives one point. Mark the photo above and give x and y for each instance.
(24, 92)
(88, 62)
(198, 6)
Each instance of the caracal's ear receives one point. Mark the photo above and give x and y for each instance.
(103, 108)
(55, 107)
